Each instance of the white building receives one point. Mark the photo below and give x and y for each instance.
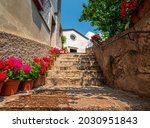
(89, 35)
(76, 42)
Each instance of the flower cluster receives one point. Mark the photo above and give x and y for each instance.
(55, 52)
(44, 63)
(14, 64)
(96, 38)
(126, 7)
(26, 68)
(14, 68)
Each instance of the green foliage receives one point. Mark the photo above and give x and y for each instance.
(105, 14)
(35, 72)
(63, 40)
(11, 74)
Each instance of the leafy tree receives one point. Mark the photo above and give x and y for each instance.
(63, 40)
(105, 14)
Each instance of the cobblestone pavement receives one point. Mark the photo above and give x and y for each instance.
(69, 98)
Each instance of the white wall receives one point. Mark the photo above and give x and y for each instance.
(80, 42)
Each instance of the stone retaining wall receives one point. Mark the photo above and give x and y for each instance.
(20, 47)
(126, 63)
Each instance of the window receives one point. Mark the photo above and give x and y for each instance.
(39, 4)
(72, 37)
(44, 9)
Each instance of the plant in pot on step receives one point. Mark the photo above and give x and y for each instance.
(35, 72)
(64, 50)
(43, 71)
(55, 52)
(27, 81)
(3, 74)
(48, 61)
(3, 77)
(13, 68)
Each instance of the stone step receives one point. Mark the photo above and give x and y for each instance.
(77, 59)
(74, 73)
(76, 67)
(81, 63)
(67, 59)
(76, 56)
(73, 81)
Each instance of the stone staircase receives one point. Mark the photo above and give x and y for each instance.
(75, 70)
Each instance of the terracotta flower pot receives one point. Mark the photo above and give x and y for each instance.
(10, 87)
(43, 80)
(36, 83)
(1, 85)
(26, 85)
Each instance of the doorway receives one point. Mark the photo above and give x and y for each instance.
(73, 50)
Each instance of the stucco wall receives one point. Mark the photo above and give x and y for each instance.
(80, 42)
(125, 62)
(21, 17)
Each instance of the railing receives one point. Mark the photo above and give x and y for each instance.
(128, 33)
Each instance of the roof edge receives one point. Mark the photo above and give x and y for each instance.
(71, 29)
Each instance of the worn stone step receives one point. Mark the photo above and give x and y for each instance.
(77, 59)
(74, 73)
(74, 81)
(77, 56)
(67, 59)
(76, 67)
(82, 63)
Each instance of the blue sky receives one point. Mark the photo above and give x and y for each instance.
(70, 13)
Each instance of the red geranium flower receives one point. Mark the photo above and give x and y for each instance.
(36, 60)
(2, 65)
(8, 65)
(2, 76)
(43, 70)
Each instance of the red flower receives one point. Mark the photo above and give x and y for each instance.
(134, 3)
(52, 51)
(8, 65)
(43, 70)
(2, 65)
(46, 59)
(36, 60)
(127, 4)
(124, 5)
(96, 37)
(2, 76)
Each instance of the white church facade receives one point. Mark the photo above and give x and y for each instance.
(75, 41)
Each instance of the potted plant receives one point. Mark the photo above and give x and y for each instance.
(35, 72)
(27, 81)
(96, 38)
(55, 52)
(43, 71)
(64, 50)
(3, 77)
(13, 69)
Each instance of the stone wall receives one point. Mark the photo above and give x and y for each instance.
(126, 63)
(26, 49)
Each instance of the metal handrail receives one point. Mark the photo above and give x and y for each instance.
(128, 33)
